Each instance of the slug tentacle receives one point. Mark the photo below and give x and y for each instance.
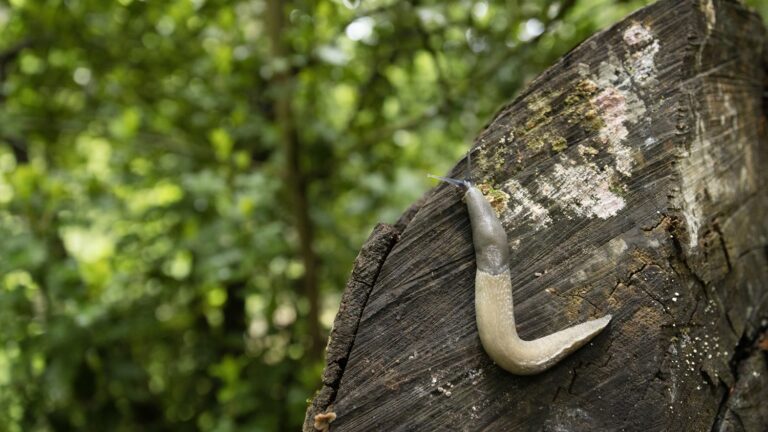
(493, 299)
(464, 184)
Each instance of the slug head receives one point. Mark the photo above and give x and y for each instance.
(460, 183)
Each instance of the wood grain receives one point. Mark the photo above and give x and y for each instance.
(633, 182)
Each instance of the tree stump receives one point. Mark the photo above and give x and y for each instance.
(631, 179)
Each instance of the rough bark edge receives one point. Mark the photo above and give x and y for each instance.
(740, 407)
(364, 273)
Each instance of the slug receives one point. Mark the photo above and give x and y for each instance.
(494, 308)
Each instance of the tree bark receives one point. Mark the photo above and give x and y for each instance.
(295, 176)
(631, 179)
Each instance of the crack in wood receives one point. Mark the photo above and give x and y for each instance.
(362, 279)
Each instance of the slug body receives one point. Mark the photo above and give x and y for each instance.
(493, 300)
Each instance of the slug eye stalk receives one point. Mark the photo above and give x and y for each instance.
(494, 307)
(464, 184)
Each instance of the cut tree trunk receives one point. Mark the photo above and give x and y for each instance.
(631, 180)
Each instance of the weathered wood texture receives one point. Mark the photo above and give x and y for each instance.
(364, 273)
(633, 180)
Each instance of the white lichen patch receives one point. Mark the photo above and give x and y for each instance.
(649, 142)
(593, 188)
(617, 247)
(617, 102)
(641, 61)
(613, 108)
(708, 7)
(730, 113)
(578, 277)
(601, 260)
(586, 151)
(583, 189)
(691, 207)
(637, 34)
(522, 205)
(539, 106)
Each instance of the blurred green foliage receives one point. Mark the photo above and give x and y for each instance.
(150, 273)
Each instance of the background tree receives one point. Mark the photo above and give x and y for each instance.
(184, 185)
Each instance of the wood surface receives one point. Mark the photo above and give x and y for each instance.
(631, 179)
